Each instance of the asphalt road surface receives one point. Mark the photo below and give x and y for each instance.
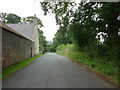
(54, 71)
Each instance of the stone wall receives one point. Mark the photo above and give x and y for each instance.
(15, 48)
(0, 50)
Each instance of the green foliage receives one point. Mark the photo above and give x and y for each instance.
(10, 18)
(61, 47)
(62, 37)
(80, 24)
(3, 17)
(13, 18)
(9, 70)
(30, 19)
(42, 40)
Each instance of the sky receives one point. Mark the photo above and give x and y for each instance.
(24, 8)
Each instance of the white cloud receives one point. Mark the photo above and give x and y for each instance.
(26, 8)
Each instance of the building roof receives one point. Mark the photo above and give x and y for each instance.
(25, 29)
(2, 25)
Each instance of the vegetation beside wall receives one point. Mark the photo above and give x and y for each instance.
(109, 68)
(9, 70)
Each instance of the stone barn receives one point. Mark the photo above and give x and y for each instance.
(19, 41)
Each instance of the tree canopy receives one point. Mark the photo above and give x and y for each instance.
(10, 18)
(83, 21)
(30, 19)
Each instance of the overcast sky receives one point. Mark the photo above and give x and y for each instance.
(24, 8)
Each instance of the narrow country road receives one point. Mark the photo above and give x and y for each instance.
(54, 71)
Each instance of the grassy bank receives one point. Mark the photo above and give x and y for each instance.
(108, 68)
(9, 70)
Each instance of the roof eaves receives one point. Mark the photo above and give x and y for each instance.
(13, 31)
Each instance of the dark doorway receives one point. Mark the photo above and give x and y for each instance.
(31, 51)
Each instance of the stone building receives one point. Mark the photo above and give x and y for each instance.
(19, 41)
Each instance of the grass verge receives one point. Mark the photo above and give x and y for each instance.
(108, 68)
(13, 68)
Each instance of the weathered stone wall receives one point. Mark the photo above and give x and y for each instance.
(15, 48)
(0, 51)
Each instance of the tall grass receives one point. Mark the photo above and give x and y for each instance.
(109, 68)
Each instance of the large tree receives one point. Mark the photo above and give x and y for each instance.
(10, 18)
(85, 21)
(30, 19)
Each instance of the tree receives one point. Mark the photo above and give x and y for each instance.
(3, 16)
(74, 22)
(83, 24)
(30, 19)
(110, 12)
(42, 40)
(10, 18)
